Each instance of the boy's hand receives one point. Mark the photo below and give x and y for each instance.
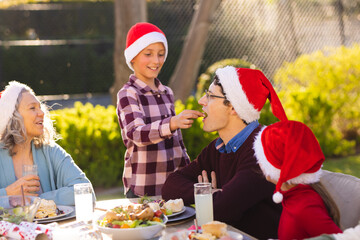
(184, 119)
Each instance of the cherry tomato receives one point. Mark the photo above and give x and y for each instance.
(158, 213)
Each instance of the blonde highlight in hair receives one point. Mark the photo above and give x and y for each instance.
(15, 132)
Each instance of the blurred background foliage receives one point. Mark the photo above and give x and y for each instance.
(322, 90)
(91, 135)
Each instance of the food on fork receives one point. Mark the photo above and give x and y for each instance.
(46, 209)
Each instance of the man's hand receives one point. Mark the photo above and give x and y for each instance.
(204, 178)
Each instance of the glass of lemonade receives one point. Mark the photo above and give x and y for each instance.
(83, 202)
(203, 203)
(29, 170)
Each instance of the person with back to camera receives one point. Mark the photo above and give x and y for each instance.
(241, 194)
(145, 108)
(27, 137)
(290, 156)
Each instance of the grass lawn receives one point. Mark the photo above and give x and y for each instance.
(347, 165)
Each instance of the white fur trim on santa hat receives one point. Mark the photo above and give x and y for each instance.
(234, 92)
(274, 173)
(306, 178)
(8, 101)
(268, 169)
(277, 197)
(136, 47)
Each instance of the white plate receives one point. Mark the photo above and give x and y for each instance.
(131, 233)
(189, 212)
(235, 235)
(177, 213)
(66, 209)
(183, 234)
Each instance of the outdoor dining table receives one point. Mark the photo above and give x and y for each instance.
(172, 227)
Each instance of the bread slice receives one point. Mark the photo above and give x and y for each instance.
(46, 209)
(215, 228)
(175, 205)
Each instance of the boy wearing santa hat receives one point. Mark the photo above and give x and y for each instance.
(290, 157)
(149, 127)
(241, 194)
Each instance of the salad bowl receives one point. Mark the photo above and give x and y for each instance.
(15, 209)
(140, 232)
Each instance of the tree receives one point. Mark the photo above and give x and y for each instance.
(184, 76)
(127, 13)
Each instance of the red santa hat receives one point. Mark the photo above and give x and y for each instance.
(247, 90)
(8, 99)
(289, 152)
(139, 37)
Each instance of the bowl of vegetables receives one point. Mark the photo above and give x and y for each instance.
(134, 221)
(16, 208)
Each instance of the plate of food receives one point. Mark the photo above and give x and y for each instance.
(188, 213)
(170, 208)
(48, 211)
(213, 230)
(133, 221)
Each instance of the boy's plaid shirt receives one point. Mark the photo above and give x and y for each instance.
(153, 151)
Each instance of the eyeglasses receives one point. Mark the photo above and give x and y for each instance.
(208, 95)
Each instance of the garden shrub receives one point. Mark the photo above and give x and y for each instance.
(91, 135)
(322, 90)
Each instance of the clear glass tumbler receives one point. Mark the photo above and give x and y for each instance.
(83, 202)
(203, 203)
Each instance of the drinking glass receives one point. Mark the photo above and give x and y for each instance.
(203, 203)
(29, 170)
(83, 202)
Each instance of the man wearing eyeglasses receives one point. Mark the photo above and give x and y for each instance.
(241, 195)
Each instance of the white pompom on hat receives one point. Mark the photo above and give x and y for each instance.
(247, 90)
(139, 37)
(8, 99)
(288, 151)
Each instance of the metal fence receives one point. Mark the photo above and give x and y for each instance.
(266, 33)
(269, 33)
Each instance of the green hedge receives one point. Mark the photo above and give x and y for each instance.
(322, 90)
(66, 69)
(91, 135)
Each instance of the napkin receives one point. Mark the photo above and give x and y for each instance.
(25, 230)
(76, 231)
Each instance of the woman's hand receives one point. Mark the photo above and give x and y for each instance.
(184, 119)
(30, 183)
(204, 178)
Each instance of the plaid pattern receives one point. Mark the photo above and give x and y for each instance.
(153, 151)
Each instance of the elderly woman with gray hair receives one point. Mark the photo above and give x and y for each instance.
(27, 137)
